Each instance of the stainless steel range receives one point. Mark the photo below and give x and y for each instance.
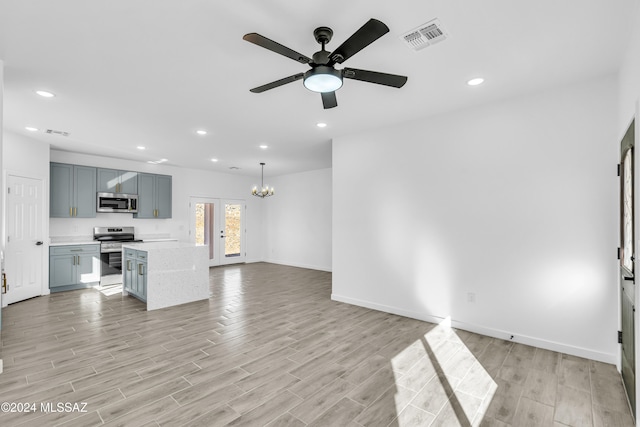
(111, 240)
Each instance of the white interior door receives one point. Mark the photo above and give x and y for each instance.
(24, 249)
(219, 224)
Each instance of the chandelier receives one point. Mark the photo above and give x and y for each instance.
(264, 191)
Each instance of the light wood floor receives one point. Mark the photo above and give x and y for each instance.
(270, 348)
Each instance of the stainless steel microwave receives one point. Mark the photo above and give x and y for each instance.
(117, 202)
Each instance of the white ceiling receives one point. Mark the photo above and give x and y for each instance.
(151, 72)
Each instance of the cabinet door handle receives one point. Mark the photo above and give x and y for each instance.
(128, 265)
(75, 211)
(70, 211)
(141, 269)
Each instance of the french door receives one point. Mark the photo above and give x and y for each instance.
(627, 265)
(219, 225)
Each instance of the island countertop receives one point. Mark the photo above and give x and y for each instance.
(177, 272)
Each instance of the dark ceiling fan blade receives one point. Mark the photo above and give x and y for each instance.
(392, 80)
(266, 43)
(371, 31)
(277, 83)
(329, 100)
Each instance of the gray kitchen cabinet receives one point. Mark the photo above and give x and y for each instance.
(73, 267)
(154, 196)
(117, 181)
(72, 191)
(135, 273)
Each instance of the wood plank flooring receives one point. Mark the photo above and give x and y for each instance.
(270, 348)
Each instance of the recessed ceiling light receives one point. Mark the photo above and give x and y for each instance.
(162, 160)
(214, 160)
(201, 132)
(475, 82)
(264, 147)
(140, 147)
(31, 129)
(321, 125)
(45, 94)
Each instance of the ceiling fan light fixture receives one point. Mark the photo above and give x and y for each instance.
(323, 79)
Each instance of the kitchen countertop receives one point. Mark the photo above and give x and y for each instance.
(161, 244)
(66, 241)
(79, 242)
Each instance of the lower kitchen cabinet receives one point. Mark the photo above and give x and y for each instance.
(134, 275)
(73, 267)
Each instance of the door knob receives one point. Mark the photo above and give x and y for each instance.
(38, 243)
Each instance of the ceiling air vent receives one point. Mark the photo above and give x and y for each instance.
(57, 132)
(425, 35)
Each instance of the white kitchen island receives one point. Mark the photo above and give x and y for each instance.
(164, 274)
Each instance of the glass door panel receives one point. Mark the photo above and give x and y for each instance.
(204, 227)
(203, 224)
(232, 232)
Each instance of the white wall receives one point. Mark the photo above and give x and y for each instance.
(297, 220)
(629, 88)
(186, 183)
(514, 202)
(26, 157)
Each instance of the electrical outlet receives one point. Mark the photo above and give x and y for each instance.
(471, 297)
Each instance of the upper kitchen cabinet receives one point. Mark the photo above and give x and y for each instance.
(117, 181)
(154, 196)
(73, 191)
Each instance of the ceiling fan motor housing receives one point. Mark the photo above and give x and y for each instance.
(321, 57)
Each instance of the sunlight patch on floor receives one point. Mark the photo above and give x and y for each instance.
(110, 289)
(438, 376)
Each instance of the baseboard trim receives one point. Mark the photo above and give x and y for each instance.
(483, 330)
(293, 264)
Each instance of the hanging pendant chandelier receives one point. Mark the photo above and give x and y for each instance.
(264, 191)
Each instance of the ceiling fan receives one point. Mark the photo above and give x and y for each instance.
(323, 77)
